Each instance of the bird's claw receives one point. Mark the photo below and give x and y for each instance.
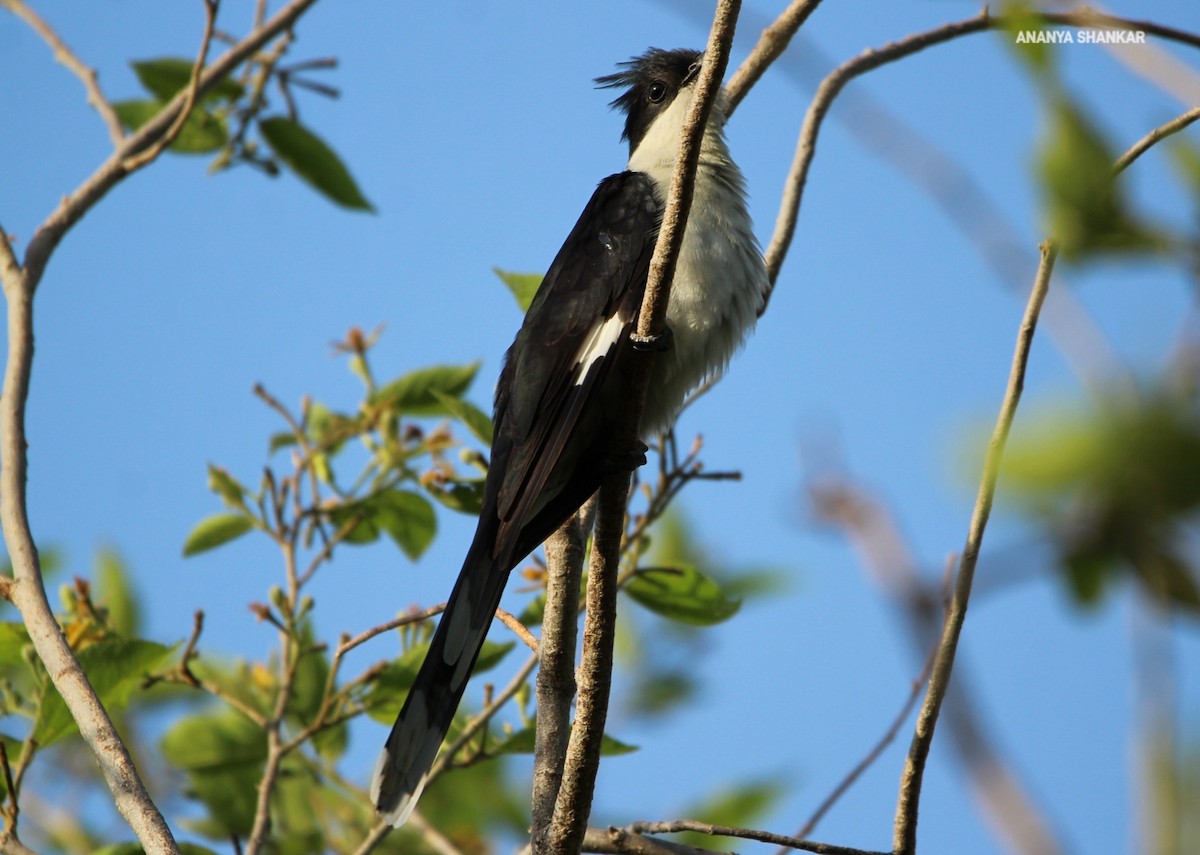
(653, 343)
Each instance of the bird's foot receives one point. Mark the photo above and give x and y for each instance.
(626, 459)
(653, 343)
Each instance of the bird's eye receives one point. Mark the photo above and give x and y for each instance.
(656, 92)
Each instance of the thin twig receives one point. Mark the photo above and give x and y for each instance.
(1155, 136)
(905, 830)
(1012, 811)
(877, 749)
(518, 629)
(65, 56)
(619, 841)
(770, 46)
(679, 825)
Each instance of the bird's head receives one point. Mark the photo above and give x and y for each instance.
(658, 86)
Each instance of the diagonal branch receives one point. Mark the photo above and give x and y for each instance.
(905, 832)
(67, 57)
(771, 45)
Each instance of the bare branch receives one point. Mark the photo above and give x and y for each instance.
(1160, 133)
(519, 629)
(905, 831)
(67, 57)
(676, 826)
(620, 841)
(771, 45)
(556, 674)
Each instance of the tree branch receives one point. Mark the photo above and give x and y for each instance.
(142, 158)
(905, 830)
(65, 56)
(75, 205)
(556, 675)
(771, 45)
(595, 672)
(679, 825)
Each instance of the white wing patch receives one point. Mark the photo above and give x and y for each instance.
(599, 343)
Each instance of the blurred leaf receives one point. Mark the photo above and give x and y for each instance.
(163, 78)
(311, 159)
(214, 742)
(1116, 489)
(475, 419)
(657, 692)
(522, 742)
(386, 695)
(115, 668)
(408, 519)
(413, 393)
(682, 593)
(214, 531)
(1025, 32)
(226, 486)
(312, 673)
(116, 595)
(202, 133)
(522, 285)
(462, 496)
(14, 638)
(1084, 200)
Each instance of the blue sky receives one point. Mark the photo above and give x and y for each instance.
(476, 132)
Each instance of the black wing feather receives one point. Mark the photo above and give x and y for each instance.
(550, 430)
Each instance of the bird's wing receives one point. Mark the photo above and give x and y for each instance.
(582, 314)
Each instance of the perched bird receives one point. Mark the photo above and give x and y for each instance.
(563, 386)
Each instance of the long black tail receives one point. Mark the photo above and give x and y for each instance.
(403, 766)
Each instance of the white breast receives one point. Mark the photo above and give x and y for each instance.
(720, 279)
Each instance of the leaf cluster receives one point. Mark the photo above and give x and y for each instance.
(233, 122)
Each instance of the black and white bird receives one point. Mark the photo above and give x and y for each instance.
(563, 384)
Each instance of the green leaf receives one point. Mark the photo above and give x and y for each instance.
(391, 685)
(682, 593)
(408, 519)
(522, 742)
(475, 419)
(311, 159)
(202, 133)
(115, 594)
(522, 285)
(226, 486)
(1021, 26)
(214, 742)
(214, 531)
(414, 393)
(1083, 198)
(14, 638)
(163, 78)
(462, 496)
(115, 668)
